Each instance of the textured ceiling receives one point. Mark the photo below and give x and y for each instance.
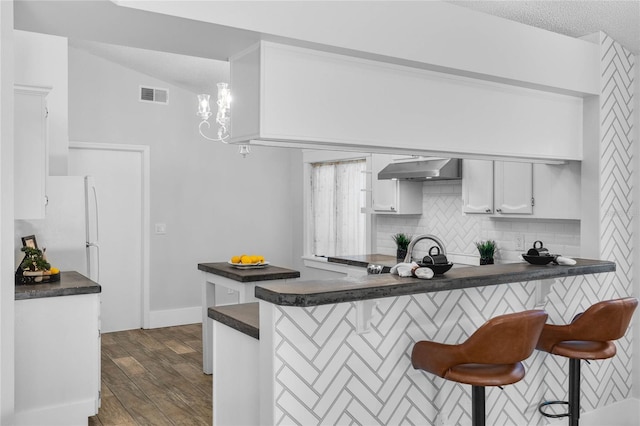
(577, 18)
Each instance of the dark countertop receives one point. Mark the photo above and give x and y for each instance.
(71, 283)
(244, 317)
(322, 292)
(224, 269)
(364, 260)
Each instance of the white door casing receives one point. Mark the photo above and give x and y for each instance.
(122, 176)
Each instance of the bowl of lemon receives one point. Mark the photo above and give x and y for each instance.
(248, 261)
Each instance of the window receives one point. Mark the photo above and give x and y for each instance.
(339, 227)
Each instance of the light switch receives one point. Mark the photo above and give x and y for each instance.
(161, 228)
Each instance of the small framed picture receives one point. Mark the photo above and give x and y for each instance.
(29, 241)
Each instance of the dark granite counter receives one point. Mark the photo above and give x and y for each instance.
(244, 317)
(268, 273)
(365, 259)
(322, 292)
(71, 283)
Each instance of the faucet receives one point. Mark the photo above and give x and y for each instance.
(413, 242)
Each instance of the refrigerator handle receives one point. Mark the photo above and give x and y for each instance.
(95, 203)
(91, 242)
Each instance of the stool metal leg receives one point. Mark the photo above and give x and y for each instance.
(477, 405)
(574, 392)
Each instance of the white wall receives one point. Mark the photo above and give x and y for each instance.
(215, 203)
(7, 284)
(41, 60)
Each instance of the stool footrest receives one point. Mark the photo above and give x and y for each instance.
(553, 416)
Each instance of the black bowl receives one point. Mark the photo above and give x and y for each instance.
(538, 260)
(438, 268)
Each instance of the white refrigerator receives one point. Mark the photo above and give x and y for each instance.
(69, 231)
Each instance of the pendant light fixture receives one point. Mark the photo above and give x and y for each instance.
(222, 116)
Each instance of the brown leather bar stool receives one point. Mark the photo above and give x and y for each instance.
(589, 336)
(489, 357)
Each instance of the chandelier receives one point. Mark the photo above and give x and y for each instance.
(222, 116)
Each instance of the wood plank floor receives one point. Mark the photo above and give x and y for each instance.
(154, 377)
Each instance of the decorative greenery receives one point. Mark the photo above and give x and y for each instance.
(34, 260)
(486, 248)
(402, 240)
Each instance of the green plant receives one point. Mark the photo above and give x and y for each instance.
(486, 248)
(402, 240)
(34, 260)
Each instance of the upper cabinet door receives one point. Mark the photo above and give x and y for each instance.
(383, 192)
(477, 186)
(30, 151)
(513, 187)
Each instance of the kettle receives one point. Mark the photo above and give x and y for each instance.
(538, 251)
(435, 258)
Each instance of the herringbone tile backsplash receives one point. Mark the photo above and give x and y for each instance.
(442, 216)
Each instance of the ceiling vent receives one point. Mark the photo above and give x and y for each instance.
(152, 94)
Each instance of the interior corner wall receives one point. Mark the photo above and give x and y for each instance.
(636, 227)
(42, 60)
(214, 203)
(616, 210)
(7, 285)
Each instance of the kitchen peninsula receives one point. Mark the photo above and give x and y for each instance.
(339, 349)
(242, 281)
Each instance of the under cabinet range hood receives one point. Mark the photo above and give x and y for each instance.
(427, 169)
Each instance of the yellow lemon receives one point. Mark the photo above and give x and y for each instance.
(54, 270)
(245, 259)
(255, 259)
(235, 259)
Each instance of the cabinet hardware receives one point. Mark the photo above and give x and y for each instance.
(499, 210)
(533, 201)
(487, 211)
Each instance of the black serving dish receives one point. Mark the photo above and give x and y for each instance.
(37, 279)
(438, 268)
(538, 260)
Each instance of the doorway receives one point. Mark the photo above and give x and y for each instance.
(121, 174)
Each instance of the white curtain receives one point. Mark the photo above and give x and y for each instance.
(338, 224)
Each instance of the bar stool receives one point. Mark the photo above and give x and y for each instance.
(489, 357)
(590, 335)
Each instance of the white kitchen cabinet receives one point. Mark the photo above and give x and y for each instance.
(477, 186)
(557, 191)
(513, 186)
(57, 359)
(393, 196)
(513, 189)
(498, 188)
(30, 151)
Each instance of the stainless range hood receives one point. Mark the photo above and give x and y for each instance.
(428, 169)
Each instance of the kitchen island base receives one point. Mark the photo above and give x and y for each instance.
(317, 366)
(239, 281)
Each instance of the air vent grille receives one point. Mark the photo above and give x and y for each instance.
(152, 94)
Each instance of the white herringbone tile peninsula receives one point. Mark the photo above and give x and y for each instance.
(348, 378)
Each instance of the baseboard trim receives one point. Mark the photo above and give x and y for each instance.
(174, 317)
(75, 413)
(621, 413)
